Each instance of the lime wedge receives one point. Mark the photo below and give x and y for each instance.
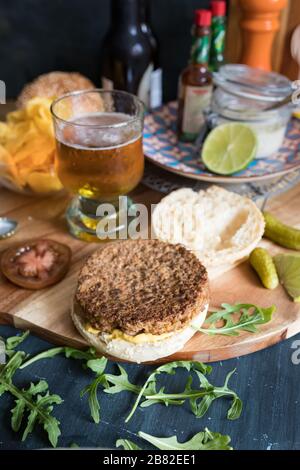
(229, 148)
(288, 269)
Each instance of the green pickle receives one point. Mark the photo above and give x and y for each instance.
(282, 234)
(262, 262)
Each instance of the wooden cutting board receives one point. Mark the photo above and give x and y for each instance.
(47, 312)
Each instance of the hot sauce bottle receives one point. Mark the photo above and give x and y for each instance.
(195, 83)
(218, 30)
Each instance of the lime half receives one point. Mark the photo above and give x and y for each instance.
(229, 148)
(288, 269)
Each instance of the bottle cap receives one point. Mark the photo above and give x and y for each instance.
(218, 8)
(202, 17)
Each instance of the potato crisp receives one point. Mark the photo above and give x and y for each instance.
(27, 149)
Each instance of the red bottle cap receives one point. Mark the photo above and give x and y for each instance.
(218, 8)
(202, 17)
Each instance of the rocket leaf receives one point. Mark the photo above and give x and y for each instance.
(205, 440)
(249, 317)
(119, 383)
(201, 398)
(169, 368)
(14, 341)
(35, 401)
(96, 364)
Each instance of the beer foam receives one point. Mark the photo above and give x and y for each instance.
(100, 131)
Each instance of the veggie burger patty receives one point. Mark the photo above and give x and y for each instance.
(144, 286)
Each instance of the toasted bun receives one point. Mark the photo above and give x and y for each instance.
(143, 352)
(220, 227)
(53, 85)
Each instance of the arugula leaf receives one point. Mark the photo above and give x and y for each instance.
(7, 370)
(87, 355)
(119, 383)
(127, 444)
(92, 390)
(43, 355)
(96, 364)
(170, 369)
(36, 400)
(19, 409)
(205, 440)
(235, 410)
(250, 316)
(14, 341)
(41, 413)
(199, 399)
(154, 400)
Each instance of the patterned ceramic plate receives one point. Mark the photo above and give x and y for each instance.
(161, 146)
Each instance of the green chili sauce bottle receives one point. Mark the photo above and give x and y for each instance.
(195, 82)
(218, 30)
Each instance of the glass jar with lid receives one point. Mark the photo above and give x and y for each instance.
(244, 94)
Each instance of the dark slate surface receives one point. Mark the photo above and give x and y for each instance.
(267, 381)
(39, 36)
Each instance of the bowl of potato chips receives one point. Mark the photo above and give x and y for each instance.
(27, 150)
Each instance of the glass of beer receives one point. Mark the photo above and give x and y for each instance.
(99, 153)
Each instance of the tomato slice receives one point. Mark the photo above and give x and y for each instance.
(36, 264)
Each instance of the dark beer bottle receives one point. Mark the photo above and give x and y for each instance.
(128, 55)
(195, 83)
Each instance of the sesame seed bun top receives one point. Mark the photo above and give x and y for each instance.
(53, 85)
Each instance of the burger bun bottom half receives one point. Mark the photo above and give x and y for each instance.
(140, 352)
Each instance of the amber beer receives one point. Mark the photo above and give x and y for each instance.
(100, 165)
(99, 154)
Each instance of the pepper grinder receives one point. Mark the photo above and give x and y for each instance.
(259, 24)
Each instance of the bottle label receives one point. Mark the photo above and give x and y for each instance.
(217, 43)
(144, 86)
(196, 99)
(218, 40)
(200, 49)
(107, 84)
(156, 89)
(150, 87)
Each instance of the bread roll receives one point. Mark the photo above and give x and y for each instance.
(219, 226)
